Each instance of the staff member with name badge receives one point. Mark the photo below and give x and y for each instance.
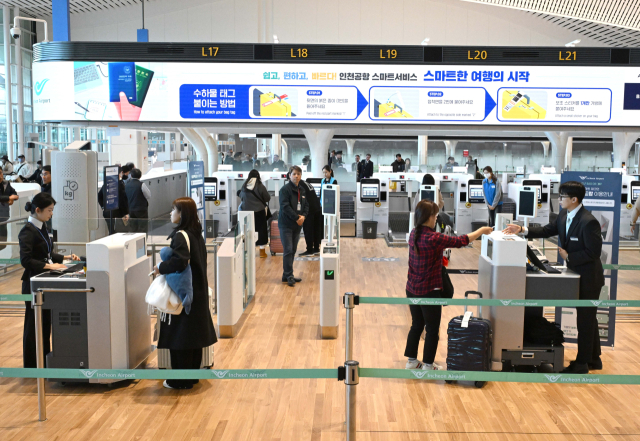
(580, 246)
(37, 256)
(492, 191)
(294, 209)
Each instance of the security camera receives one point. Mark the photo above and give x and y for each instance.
(15, 33)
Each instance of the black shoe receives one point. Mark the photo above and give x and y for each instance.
(305, 254)
(291, 281)
(316, 252)
(595, 364)
(297, 280)
(576, 368)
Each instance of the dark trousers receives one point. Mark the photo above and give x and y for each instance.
(313, 231)
(184, 359)
(423, 318)
(138, 221)
(29, 359)
(290, 238)
(3, 232)
(588, 336)
(492, 215)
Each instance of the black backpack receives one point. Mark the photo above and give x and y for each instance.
(540, 331)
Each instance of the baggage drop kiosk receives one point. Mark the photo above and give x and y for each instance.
(108, 327)
(330, 264)
(225, 208)
(273, 182)
(475, 197)
(630, 194)
(507, 269)
(371, 200)
(453, 187)
(429, 192)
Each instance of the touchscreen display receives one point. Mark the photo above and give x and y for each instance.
(329, 202)
(369, 191)
(428, 194)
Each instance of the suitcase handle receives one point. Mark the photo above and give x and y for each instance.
(477, 293)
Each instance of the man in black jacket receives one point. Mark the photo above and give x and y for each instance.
(122, 212)
(138, 196)
(46, 180)
(580, 246)
(313, 225)
(278, 164)
(37, 175)
(367, 167)
(8, 196)
(398, 164)
(294, 209)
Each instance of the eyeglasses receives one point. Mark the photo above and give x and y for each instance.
(563, 196)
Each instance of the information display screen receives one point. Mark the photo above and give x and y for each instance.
(635, 194)
(475, 193)
(428, 194)
(317, 188)
(210, 189)
(329, 202)
(526, 204)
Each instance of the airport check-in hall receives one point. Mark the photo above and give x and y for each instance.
(350, 220)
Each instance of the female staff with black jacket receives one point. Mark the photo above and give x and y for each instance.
(37, 256)
(187, 334)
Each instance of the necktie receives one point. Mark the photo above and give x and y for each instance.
(569, 219)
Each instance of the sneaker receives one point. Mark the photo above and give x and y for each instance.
(316, 252)
(414, 365)
(165, 384)
(431, 367)
(595, 364)
(305, 254)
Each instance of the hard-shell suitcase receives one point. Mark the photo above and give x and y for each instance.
(469, 342)
(275, 244)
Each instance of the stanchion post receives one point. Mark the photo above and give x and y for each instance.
(37, 305)
(351, 380)
(349, 304)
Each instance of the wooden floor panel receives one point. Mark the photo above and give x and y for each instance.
(282, 332)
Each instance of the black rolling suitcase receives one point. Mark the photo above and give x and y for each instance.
(469, 348)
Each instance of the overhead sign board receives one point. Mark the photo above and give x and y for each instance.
(337, 93)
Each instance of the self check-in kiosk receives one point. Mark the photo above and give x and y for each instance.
(475, 197)
(454, 190)
(273, 182)
(371, 203)
(225, 208)
(629, 196)
(330, 264)
(428, 192)
(99, 320)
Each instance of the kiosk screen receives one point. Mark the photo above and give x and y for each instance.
(370, 191)
(428, 194)
(317, 188)
(526, 204)
(635, 194)
(329, 202)
(475, 193)
(210, 189)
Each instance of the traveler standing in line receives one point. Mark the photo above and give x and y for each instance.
(278, 164)
(187, 334)
(120, 213)
(328, 179)
(138, 197)
(424, 280)
(8, 196)
(398, 164)
(7, 166)
(46, 179)
(37, 256)
(367, 167)
(255, 197)
(294, 209)
(492, 191)
(125, 173)
(580, 246)
(313, 226)
(356, 166)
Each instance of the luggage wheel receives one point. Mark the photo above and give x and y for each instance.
(272, 253)
(449, 381)
(479, 384)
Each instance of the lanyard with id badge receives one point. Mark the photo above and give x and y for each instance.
(45, 241)
(299, 205)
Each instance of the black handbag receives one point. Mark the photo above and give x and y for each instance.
(447, 286)
(266, 206)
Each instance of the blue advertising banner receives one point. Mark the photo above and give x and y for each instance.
(602, 199)
(196, 190)
(111, 178)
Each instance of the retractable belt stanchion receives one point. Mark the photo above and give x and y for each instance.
(352, 376)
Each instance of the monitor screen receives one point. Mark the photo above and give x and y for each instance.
(329, 202)
(526, 203)
(369, 190)
(317, 188)
(635, 193)
(210, 189)
(428, 194)
(476, 193)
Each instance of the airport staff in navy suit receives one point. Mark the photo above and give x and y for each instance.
(580, 246)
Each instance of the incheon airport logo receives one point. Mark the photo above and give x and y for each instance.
(583, 177)
(596, 302)
(88, 374)
(505, 302)
(40, 86)
(220, 374)
(419, 374)
(553, 378)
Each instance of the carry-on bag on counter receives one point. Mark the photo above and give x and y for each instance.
(469, 342)
(275, 244)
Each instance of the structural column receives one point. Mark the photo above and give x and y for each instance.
(60, 20)
(198, 144)
(211, 144)
(319, 141)
(545, 147)
(350, 144)
(423, 149)
(450, 147)
(622, 143)
(568, 156)
(7, 81)
(20, 100)
(276, 141)
(559, 143)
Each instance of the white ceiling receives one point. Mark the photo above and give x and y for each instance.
(40, 8)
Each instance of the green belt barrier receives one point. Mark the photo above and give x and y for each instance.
(9, 261)
(621, 267)
(499, 302)
(168, 374)
(15, 297)
(504, 377)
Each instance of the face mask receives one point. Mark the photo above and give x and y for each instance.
(487, 175)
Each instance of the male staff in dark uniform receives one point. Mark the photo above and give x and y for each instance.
(367, 167)
(580, 246)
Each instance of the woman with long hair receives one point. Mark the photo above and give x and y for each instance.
(428, 179)
(424, 280)
(186, 334)
(492, 191)
(255, 197)
(37, 256)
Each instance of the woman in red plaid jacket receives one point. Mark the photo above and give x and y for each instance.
(425, 280)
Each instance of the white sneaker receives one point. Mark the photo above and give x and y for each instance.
(165, 384)
(431, 367)
(414, 365)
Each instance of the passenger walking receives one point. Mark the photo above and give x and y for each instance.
(294, 209)
(255, 197)
(187, 334)
(120, 214)
(138, 197)
(424, 280)
(492, 191)
(37, 256)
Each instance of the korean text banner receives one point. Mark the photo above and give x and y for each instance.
(363, 94)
